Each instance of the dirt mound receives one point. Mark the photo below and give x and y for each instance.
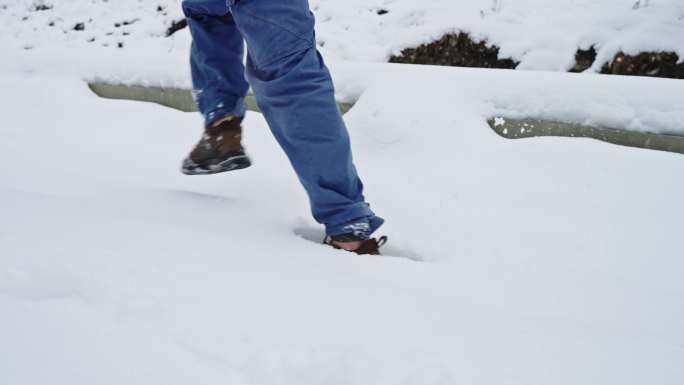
(461, 50)
(458, 50)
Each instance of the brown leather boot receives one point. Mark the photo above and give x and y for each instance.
(219, 150)
(349, 242)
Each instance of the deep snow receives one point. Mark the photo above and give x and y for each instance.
(513, 262)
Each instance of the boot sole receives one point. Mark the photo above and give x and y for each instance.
(230, 164)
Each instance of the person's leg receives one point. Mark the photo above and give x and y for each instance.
(218, 75)
(295, 92)
(219, 85)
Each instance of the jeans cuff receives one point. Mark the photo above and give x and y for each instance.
(222, 110)
(362, 227)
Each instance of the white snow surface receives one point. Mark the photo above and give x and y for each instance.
(532, 261)
(541, 35)
(538, 261)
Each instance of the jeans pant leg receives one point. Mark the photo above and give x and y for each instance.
(295, 92)
(216, 57)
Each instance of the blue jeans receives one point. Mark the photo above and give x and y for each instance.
(293, 89)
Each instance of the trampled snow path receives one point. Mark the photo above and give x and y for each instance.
(544, 261)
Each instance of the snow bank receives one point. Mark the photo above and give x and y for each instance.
(621, 102)
(595, 100)
(538, 35)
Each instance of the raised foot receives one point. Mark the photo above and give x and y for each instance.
(232, 163)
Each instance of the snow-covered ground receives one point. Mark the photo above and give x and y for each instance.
(519, 262)
(536, 261)
(542, 36)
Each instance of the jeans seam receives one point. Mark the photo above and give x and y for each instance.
(276, 25)
(285, 56)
